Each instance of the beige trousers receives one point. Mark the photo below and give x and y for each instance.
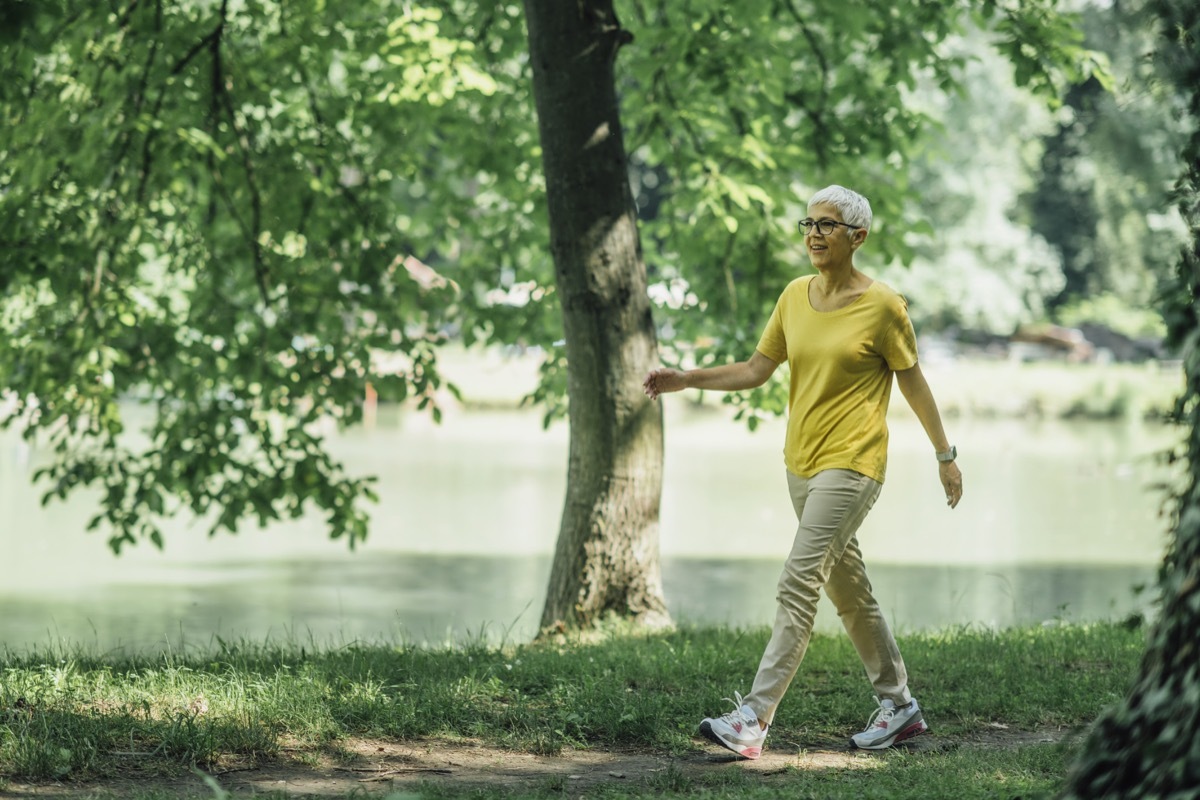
(830, 506)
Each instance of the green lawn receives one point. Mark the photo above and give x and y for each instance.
(77, 716)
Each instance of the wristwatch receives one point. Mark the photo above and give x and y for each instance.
(949, 455)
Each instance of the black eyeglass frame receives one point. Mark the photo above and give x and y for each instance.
(825, 227)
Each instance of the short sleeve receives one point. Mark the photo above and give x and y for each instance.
(898, 345)
(773, 342)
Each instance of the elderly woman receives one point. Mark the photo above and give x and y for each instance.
(843, 336)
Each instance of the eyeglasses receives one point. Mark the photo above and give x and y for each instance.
(825, 226)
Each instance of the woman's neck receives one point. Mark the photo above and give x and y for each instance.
(835, 279)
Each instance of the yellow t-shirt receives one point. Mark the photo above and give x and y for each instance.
(842, 363)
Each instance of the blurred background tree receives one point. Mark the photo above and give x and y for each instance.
(1104, 179)
(1146, 744)
(1051, 213)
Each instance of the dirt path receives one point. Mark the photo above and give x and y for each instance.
(381, 767)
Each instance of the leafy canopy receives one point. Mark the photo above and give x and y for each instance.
(240, 213)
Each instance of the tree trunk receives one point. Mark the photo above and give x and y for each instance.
(607, 557)
(1149, 745)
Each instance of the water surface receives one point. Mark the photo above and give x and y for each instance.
(1058, 520)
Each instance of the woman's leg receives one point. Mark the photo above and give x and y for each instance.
(830, 506)
(850, 592)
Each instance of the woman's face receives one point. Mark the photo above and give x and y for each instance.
(834, 249)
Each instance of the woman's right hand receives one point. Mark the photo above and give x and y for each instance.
(663, 380)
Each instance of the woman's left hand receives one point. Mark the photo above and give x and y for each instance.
(951, 481)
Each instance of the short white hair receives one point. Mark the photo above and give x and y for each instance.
(854, 208)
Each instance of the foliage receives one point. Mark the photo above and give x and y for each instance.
(203, 206)
(983, 269)
(843, 95)
(1144, 746)
(1101, 198)
(243, 212)
(1039, 211)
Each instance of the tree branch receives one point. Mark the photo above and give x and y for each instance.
(208, 41)
(815, 116)
(726, 261)
(147, 143)
(221, 94)
(123, 20)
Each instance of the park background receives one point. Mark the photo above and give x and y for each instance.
(245, 242)
(1031, 231)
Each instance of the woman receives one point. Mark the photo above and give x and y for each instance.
(843, 335)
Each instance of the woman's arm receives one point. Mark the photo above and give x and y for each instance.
(916, 391)
(727, 377)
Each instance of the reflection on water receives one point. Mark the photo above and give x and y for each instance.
(438, 599)
(1057, 520)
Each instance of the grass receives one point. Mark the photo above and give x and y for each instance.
(78, 716)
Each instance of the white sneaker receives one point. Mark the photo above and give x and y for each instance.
(890, 725)
(738, 730)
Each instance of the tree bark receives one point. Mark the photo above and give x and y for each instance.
(1149, 745)
(607, 556)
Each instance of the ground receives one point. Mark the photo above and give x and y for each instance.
(382, 767)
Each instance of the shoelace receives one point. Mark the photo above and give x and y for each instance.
(736, 715)
(881, 717)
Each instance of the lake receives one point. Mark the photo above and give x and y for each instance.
(1060, 520)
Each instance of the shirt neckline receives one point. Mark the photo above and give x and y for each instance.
(808, 299)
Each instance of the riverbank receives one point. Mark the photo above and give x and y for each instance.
(498, 378)
(612, 717)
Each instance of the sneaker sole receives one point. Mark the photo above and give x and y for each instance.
(745, 752)
(913, 729)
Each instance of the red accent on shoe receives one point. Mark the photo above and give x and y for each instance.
(751, 752)
(916, 729)
(737, 726)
